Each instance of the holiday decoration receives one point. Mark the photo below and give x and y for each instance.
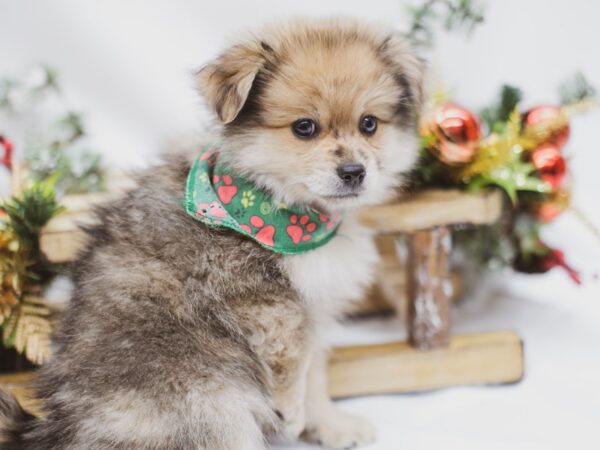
(50, 161)
(547, 123)
(7, 148)
(456, 14)
(23, 313)
(550, 164)
(546, 259)
(523, 154)
(53, 140)
(452, 133)
(551, 207)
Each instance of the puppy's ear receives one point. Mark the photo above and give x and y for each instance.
(408, 70)
(226, 82)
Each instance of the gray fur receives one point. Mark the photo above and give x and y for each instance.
(162, 308)
(181, 336)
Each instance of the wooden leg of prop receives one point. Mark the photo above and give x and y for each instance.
(429, 288)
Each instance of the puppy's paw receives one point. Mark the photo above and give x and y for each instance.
(339, 431)
(292, 423)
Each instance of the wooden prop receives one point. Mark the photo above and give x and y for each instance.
(425, 221)
(436, 359)
(488, 358)
(429, 288)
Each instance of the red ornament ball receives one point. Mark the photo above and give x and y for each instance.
(455, 132)
(548, 123)
(553, 206)
(551, 165)
(7, 158)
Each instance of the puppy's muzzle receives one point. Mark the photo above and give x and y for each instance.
(352, 174)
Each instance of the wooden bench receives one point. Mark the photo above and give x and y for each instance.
(432, 358)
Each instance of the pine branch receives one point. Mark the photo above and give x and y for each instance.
(496, 115)
(576, 89)
(454, 14)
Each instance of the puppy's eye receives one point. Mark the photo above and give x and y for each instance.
(304, 128)
(368, 125)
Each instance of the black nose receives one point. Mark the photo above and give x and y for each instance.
(352, 174)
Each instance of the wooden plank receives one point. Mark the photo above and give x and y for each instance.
(19, 385)
(488, 358)
(61, 238)
(62, 247)
(433, 208)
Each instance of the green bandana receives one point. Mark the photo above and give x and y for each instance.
(218, 198)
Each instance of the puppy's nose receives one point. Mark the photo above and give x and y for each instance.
(352, 174)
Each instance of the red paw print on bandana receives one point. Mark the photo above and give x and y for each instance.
(227, 190)
(298, 228)
(264, 235)
(210, 156)
(328, 221)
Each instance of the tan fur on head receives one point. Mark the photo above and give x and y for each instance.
(334, 72)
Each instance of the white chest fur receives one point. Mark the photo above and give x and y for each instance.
(330, 277)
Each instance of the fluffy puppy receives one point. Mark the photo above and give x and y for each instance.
(184, 336)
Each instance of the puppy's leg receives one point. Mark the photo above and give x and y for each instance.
(232, 419)
(290, 392)
(282, 338)
(324, 422)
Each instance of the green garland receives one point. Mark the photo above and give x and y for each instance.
(56, 163)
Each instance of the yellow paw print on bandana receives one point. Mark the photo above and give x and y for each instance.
(248, 198)
(265, 208)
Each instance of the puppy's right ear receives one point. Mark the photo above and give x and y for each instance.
(226, 82)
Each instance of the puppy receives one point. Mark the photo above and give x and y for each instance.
(184, 334)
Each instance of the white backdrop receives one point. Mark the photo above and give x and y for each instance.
(126, 64)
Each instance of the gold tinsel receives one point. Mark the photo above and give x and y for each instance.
(497, 149)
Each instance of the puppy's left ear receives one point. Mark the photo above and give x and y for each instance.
(408, 69)
(226, 82)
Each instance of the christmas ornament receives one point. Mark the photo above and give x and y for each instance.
(453, 134)
(7, 146)
(540, 258)
(553, 206)
(556, 258)
(550, 163)
(219, 198)
(546, 124)
(499, 162)
(521, 155)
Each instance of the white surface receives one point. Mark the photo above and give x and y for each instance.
(126, 64)
(555, 407)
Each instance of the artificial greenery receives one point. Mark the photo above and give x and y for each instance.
(61, 148)
(576, 89)
(496, 115)
(505, 157)
(56, 162)
(452, 14)
(24, 315)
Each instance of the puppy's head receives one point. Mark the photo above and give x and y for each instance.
(318, 112)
